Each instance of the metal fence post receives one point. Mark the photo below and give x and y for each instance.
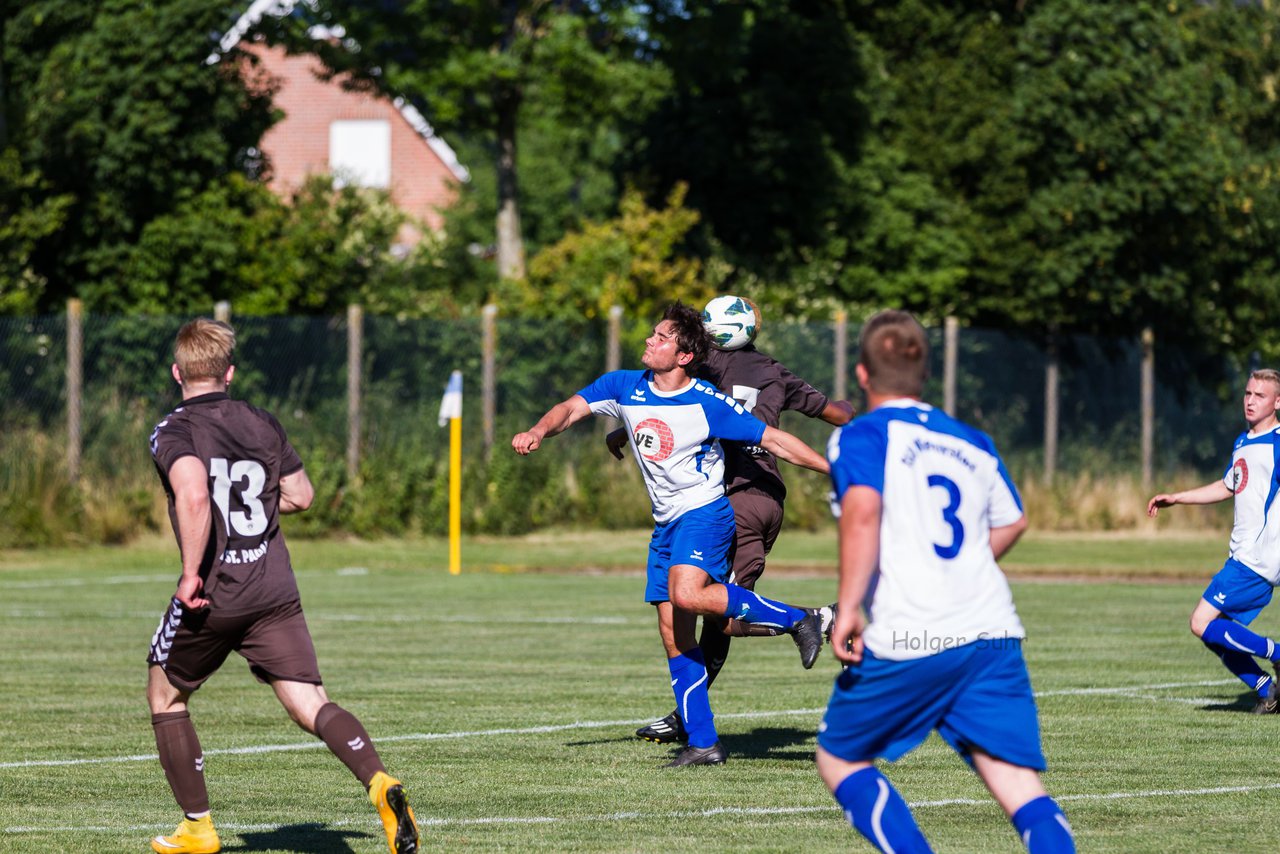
(222, 311)
(75, 385)
(355, 346)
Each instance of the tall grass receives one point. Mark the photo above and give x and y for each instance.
(401, 488)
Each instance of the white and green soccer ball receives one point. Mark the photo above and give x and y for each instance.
(731, 322)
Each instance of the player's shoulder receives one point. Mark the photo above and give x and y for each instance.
(171, 426)
(625, 378)
(1270, 437)
(181, 416)
(745, 360)
(707, 395)
(922, 416)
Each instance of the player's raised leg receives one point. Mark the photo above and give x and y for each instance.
(694, 591)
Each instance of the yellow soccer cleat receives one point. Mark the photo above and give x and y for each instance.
(193, 836)
(393, 808)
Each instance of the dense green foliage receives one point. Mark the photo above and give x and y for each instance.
(1047, 168)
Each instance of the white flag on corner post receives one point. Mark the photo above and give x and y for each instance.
(451, 403)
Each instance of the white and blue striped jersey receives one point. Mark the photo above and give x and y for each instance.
(674, 435)
(943, 487)
(1252, 476)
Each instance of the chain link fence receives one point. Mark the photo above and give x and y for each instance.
(297, 367)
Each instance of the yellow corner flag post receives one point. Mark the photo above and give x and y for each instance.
(451, 412)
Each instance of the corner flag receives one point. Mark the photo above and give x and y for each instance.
(451, 414)
(451, 403)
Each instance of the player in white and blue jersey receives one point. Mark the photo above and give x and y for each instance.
(925, 509)
(1243, 587)
(675, 423)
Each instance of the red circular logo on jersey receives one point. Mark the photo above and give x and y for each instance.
(654, 440)
(1240, 472)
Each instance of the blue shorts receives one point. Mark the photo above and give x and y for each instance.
(1238, 592)
(976, 696)
(700, 538)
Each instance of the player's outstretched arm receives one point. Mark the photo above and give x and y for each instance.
(1210, 493)
(559, 418)
(837, 413)
(784, 446)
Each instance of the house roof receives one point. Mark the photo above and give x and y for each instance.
(279, 9)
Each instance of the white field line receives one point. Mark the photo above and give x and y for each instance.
(1137, 692)
(44, 583)
(321, 617)
(658, 816)
(169, 577)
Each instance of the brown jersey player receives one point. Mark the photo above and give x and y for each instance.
(229, 472)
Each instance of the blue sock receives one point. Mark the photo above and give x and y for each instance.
(1043, 827)
(750, 607)
(1229, 634)
(876, 810)
(1243, 666)
(689, 682)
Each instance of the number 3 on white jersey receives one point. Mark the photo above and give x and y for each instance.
(949, 516)
(248, 477)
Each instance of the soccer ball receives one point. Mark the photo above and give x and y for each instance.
(731, 322)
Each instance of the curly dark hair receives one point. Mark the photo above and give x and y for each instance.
(691, 335)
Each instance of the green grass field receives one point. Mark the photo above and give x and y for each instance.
(506, 701)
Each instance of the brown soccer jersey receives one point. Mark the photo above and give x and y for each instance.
(765, 388)
(245, 451)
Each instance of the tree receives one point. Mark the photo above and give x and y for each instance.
(118, 112)
(631, 261)
(763, 117)
(28, 215)
(1134, 155)
(474, 66)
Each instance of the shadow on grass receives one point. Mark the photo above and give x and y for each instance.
(762, 743)
(1244, 703)
(300, 839)
(787, 743)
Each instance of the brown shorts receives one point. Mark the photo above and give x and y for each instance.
(758, 519)
(276, 643)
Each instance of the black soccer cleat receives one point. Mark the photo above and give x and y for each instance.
(807, 633)
(664, 730)
(713, 755)
(1270, 704)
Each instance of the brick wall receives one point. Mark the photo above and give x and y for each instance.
(298, 145)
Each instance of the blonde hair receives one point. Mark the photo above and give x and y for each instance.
(895, 352)
(1268, 375)
(203, 349)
